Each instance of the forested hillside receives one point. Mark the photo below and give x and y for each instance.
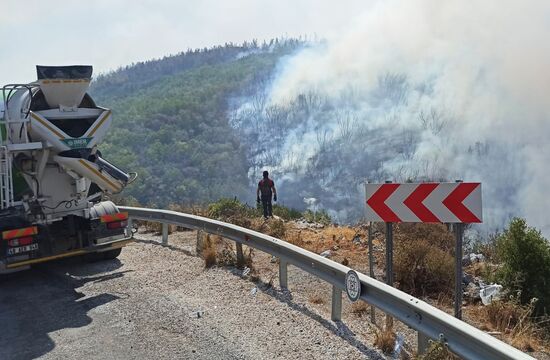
(171, 120)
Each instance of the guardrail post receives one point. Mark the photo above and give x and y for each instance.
(240, 255)
(283, 274)
(336, 304)
(422, 343)
(164, 234)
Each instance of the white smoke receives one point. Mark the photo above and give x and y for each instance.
(468, 96)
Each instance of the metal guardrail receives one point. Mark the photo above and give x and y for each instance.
(430, 322)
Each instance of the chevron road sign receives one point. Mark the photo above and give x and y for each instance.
(458, 202)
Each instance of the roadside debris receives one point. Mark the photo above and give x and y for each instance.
(399, 341)
(253, 291)
(197, 314)
(490, 293)
(326, 253)
(472, 258)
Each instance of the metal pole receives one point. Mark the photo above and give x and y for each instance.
(458, 270)
(389, 253)
(389, 265)
(458, 228)
(164, 234)
(283, 274)
(336, 304)
(371, 270)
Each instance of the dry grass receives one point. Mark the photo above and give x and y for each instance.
(226, 255)
(514, 322)
(335, 238)
(209, 256)
(216, 250)
(438, 351)
(359, 308)
(423, 262)
(189, 209)
(272, 227)
(316, 299)
(385, 340)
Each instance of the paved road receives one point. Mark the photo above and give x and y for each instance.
(145, 304)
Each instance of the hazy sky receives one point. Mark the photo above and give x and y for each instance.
(111, 33)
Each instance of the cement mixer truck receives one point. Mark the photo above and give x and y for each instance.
(53, 177)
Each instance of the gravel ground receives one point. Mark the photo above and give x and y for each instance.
(159, 302)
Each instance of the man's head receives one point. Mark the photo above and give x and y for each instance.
(266, 174)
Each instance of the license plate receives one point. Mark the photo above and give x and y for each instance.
(21, 249)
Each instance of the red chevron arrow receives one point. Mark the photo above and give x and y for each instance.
(377, 202)
(415, 199)
(454, 203)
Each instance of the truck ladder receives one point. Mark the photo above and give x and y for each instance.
(6, 178)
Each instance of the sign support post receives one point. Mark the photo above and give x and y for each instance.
(389, 265)
(371, 271)
(459, 232)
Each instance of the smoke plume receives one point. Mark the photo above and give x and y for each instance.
(423, 90)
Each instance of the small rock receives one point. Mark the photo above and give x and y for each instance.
(472, 292)
(197, 314)
(326, 253)
(253, 291)
(467, 278)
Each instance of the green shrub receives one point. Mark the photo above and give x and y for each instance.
(525, 257)
(225, 209)
(320, 216)
(286, 213)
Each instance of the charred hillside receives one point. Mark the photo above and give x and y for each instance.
(172, 125)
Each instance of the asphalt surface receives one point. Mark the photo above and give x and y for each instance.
(159, 302)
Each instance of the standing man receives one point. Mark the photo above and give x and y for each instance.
(266, 188)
